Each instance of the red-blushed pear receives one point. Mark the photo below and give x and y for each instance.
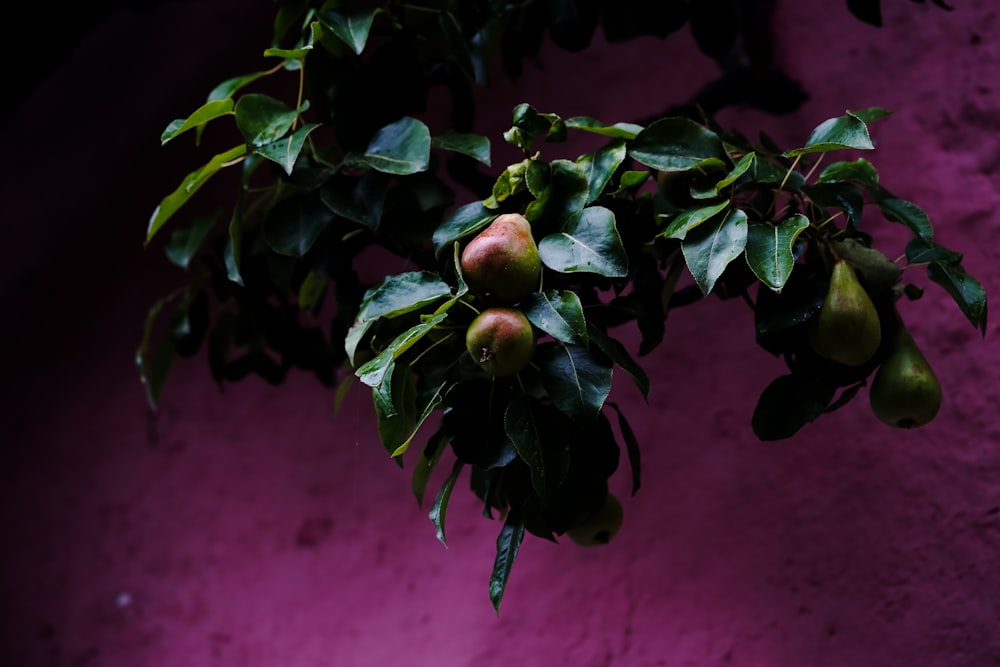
(501, 341)
(905, 392)
(847, 329)
(601, 527)
(503, 260)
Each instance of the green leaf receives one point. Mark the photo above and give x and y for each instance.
(394, 296)
(425, 464)
(233, 254)
(599, 167)
(860, 171)
(205, 113)
(508, 542)
(558, 314)
(542, 441)
(288, 54)
(577, 381)
(373, 372)
(871, 114)
(769, 249)
(360, 199)
(967, 292)
(395, 403)
(618, 130)
(352, 28)
(690, 218)
(263, 119)
(617, 353)
(920, 251)
(311, 291)
(154, 364)
(400, 148)
(567, 191)
(511, 181)
(474, 145)
(844, 196)
(710, 248)
(432, 403)
(631, 447)
(789, 403)
(185, 243)
(464, 221)
(229, 87)
(737, 171)
(588, 242)
(678, 144)
(909, 214)
(439, 509)
(847, 131)
(286, 151)
(189, 185)
(293, 225)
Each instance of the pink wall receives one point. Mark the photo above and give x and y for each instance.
(260, 529)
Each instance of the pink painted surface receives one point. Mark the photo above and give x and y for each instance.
(260, 529)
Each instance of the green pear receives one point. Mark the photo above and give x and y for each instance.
(601, 527)
(503, 260)
(501, 341)
(905, 392)
(847, 328)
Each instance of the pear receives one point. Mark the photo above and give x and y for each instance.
(905, 392)
(601, 527)
(503, 260)
(847, 328)
(501, 341)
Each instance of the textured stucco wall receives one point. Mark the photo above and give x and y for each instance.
(262, 530)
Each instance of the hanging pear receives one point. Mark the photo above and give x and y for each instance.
(503, 260)
(905, 392)
(847, 328)
(501, 341)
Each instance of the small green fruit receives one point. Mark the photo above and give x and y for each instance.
(905, 392)
(501, 341)
(601, 527)
(847, 328)
(503, 260)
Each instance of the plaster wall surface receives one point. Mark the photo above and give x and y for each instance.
(257, 528)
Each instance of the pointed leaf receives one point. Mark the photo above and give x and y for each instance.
(293, 225)
(439, 509)
(541, 438)
(769, 249)
(618, 130)
(617, 353)
(154, 364)
(361, 199)
(909, 214)
(205, 113)
(860, 171)
(401, 148)
(465, 220)
(577, 381)
(847, 131)
(559, 314)
(967, 292)
(919, 251)
(689, 219)
(474, 145)
(288, 54)
(710, 248)
(599, 167)
(426, 463)
(631, 447)
(185, 243)
(373, 372)
(191, 183)
(508, 543)
(678, 144)
(789, 403)
(589, 242)
(432, 403)
(229, 87)
(285, 151)
(263, 119)
(352, 28)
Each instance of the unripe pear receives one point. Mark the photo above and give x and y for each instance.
(847, 328)
(601, 527)
(905, 392)
(501, 341)
(503, 259)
